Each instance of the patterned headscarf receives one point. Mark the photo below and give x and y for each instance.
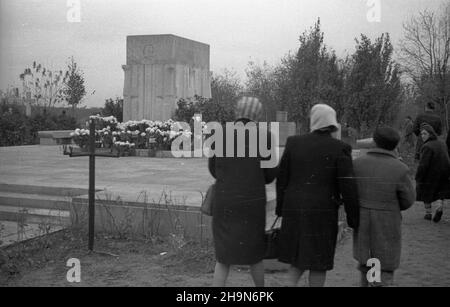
(250, 108)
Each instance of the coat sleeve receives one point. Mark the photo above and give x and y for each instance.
(270, 174)
(448, 142)
(425, 160)
(283, 178)
(406, 194)
(212, 166)
(348, 187)
(439, 127)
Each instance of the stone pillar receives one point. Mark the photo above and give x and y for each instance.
(127, 93)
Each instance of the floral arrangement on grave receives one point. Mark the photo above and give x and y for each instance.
(125, 137)
(124, 148)
(81, 137)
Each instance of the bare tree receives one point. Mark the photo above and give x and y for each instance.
(44, 85)
(425, 54)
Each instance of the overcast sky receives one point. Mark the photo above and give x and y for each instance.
(236, 30)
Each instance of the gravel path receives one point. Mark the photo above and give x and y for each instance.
(425, 263)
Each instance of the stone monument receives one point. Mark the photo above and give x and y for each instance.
(160, 70)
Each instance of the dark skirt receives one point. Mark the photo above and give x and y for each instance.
(431, 192)
(308, 239)
(239, 232)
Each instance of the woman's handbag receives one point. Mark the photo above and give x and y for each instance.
(272, 241)
(207, 203)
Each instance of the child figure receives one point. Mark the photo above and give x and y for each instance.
(385, 189)
(433, 173)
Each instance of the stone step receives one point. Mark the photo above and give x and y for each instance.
(34, 216)
(42, 190)
(34, 201)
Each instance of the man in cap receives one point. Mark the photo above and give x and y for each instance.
(385, 189)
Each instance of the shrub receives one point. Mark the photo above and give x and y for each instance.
(212, 110)
(113, 108)
(16, 129)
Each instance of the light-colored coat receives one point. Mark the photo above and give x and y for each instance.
(385, 189)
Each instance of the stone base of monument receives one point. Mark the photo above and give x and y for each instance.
(166, 154)
(61, 137)
(145, 153)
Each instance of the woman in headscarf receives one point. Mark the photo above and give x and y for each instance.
(433, 173)
(315, 177)
(239, 206)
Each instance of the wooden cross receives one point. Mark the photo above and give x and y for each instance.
(91, 154)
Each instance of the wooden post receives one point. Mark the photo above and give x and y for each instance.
(91, 184)
(92, 154)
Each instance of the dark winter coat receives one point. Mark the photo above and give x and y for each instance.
(433, 173)
(239, 207)
(448, 142)
(315, 177)
(385, 189)
(433, 120)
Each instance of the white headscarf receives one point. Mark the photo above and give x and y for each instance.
(323, 116)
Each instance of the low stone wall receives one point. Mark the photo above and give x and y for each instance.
(141, 219)
(130, 218)
(166, 154)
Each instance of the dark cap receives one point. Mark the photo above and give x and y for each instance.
(386, 138)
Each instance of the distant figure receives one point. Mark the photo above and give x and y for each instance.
(408, 132)
(344, 131)
(352, 133)
(349, 134)
(63, 121)
(315, 178)
(385, 189)
(430, 118)
(433, 173)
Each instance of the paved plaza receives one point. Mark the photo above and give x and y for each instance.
(126, 176)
